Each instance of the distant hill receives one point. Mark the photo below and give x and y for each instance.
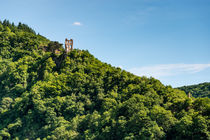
(199, 90)
(48, 94)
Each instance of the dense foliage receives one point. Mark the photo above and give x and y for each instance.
(200, 90)
(44, 95)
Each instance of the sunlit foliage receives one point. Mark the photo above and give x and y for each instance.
(75, 96)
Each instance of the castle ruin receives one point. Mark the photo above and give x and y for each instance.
(68, 45)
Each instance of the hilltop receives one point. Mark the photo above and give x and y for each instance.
(74, 95)
(199, 90)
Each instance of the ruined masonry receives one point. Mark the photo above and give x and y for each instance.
(68, 45)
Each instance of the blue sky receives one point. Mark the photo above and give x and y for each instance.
(166, 39)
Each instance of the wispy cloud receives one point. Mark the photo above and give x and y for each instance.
(140, 16)
(169, 69)
(146, 12)
(77, 24)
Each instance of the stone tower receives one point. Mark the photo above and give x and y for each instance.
(189, 95)
(68, 45)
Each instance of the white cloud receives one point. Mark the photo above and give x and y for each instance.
(169, 69)
(77, 24)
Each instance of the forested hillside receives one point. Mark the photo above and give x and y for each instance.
(75, 96)
(200, 90)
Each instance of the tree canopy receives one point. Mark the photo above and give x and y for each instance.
(199, 90)
(84, 98)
